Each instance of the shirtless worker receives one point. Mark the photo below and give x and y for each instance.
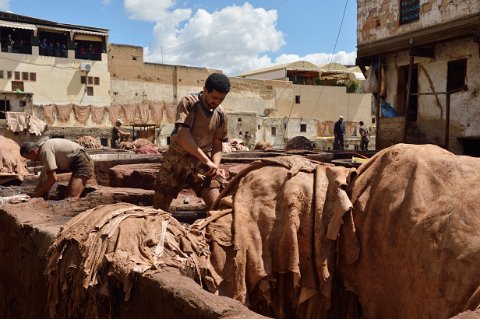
(59, 154)
(195, 152)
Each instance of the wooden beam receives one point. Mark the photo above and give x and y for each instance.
(423, 52)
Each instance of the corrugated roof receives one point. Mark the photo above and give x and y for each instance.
(298, 65)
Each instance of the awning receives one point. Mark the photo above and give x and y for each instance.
(16, 25)
(87, 37)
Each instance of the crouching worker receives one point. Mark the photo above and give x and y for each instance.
(195, 152)
(59, 154)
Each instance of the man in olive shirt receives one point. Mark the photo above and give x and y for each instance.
(195, 152)
(59, 154)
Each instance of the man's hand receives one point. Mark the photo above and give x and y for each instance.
(215, 171)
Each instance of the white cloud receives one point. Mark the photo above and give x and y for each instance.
(4, 5)
(234, 39)
(106, 2)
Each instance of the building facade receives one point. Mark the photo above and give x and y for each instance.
(425, 58)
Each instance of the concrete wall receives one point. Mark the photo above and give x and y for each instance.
(326, 103)
(379, 19)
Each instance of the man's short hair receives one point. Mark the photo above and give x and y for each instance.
(27, 148)
(218, 82)
(361, 122)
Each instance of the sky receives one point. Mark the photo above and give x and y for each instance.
(233, 36)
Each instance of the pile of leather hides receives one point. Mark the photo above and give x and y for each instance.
(11, 163)
(101, 250)
(274, 244)
(89, 142)
(414, 250)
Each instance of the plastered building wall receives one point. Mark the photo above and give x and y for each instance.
(57, 79)
(432, 77)
(378, 19)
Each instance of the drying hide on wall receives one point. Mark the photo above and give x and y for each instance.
(114, 113)
(82, 113)
(128, 112)
(269, 236)
(143, 112)
(416, 249)
(63, 112)
(156, 111)
(48, 113)
(97, 114)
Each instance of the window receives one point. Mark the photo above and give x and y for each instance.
(274, 131)
(1, 74)
(83, 80)
(4, 107)
(457, 75)
(409, 11)
(17, 85)
(90, 80)
(89, 50)
(90, 90)
(9, 74)
(96, 80)
(23, 103)
(16, 40)
(303, 128)
(297, 99)
(239, 119)
(33, 76)
(25, 76)
(53, 44)
(17, 75)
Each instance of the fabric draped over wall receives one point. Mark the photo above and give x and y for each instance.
(97, 114)
(82, 113)
(114, 113)
(48, 111)
(63, 112)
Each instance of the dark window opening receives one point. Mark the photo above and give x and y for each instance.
(457, 75)
(83, 79)
(23, 103)
(258, 126)
(17, 85)
(402, 93)
(104, 141)
(89, 50)
(25, 76)
(90, 90)
(239, 119)
(52, 44)
(33, 76)
(4, 107)
(17, 75)
(96, 80)
(303, 128)
(297, 99)
(274, 131)
(9, 74)
(409, 11)
(90, 80)
(1, 74)
(16, 40)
